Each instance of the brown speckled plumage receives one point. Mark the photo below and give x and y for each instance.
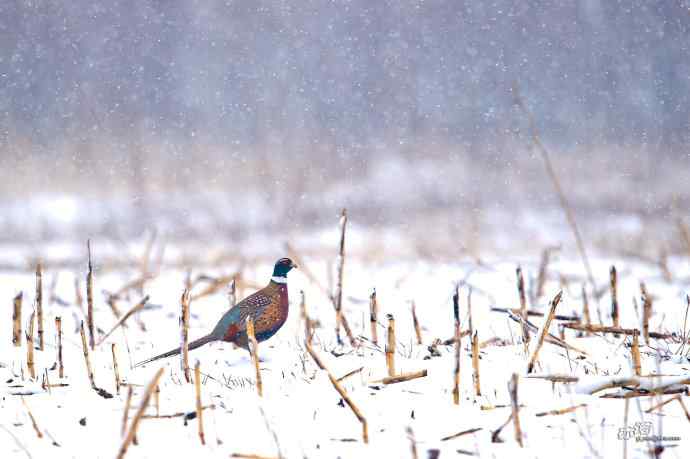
(268, 308)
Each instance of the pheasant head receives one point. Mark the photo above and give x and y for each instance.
(281, 269)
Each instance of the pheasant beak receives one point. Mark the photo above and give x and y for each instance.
(294, 265)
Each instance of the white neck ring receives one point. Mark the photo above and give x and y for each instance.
(279, 279)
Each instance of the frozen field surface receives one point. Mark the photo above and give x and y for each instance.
(302, 415)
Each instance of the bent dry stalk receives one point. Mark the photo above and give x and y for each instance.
(39, 434)
(544, 331)
(116, 370)
(551, 171)
(87, 359)
(515, 407)
(125, 412)
(343, 394)
(254, 351)
(305, 316)
(136, 308)
(402, 377)
(415, 324)
(131, 433)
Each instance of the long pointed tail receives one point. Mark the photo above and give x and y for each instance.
(193, 345)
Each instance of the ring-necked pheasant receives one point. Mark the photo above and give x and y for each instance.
(268, 308)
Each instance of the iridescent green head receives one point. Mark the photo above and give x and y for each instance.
(282, 267)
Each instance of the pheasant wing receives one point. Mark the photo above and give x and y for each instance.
(234, 321)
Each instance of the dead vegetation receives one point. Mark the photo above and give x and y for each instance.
(538, 333)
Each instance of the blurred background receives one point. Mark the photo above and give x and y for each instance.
(223, 120)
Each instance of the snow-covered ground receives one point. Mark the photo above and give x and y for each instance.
(301, 414)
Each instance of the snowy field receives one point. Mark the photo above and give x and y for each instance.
(302, 415)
